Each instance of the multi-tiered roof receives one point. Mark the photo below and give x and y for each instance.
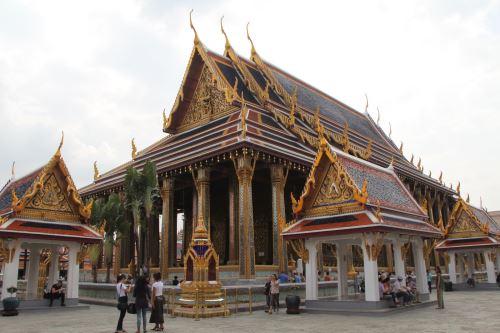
(227, 102)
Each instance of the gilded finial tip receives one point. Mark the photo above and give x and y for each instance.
(253, 51)
(228, 45)
(196, 39)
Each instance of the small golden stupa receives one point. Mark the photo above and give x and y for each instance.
(201, 294)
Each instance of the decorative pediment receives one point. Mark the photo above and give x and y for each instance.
(329, 188)
(463, 222)
(207, 103)
(204, 94)
(52, 196)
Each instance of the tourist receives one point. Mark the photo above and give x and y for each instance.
(380, 288)
(275, 294)
(157, 303)
(328, 277)
(399, 291)
(57, 291)
(429, 281)
(175, 281)
(141, 294)
(498, 279)
(439, 288)
(297, 277)
(283, 277)
(122, 291)
(267, 292)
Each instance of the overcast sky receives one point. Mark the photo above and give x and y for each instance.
(103, 71)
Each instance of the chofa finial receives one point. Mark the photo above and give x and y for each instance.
(378, 116)
(134, 149)
(13, 170)
(253, 52)
(96, 171)
(366, 106)
(58, 152)
(228, 45)
(165, 119)
(196, 39)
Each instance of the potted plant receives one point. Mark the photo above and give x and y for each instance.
(10, 304)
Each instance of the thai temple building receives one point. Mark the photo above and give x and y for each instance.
(44, 227)
(279, 170)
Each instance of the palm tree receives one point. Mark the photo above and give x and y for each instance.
(141, 189)
(149, 194)
(133, 202)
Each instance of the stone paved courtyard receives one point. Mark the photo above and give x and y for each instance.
(477, 311)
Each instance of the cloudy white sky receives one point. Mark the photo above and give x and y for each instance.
(103, 71)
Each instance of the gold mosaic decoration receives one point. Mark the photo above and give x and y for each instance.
(50, 197)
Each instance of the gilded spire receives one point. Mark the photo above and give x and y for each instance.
(58, 152)
(253, 52)
(411, 160)
(391, 164)
(228, 45)
(134, 149)
(196, 39)
(13, 170)
(468, 198)
(458, 189)
(441, 177)
(401, 147)
(419, 164)
(96, 171)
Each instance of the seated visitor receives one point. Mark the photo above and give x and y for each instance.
(411, 288)
(471, 283)
(297, 277)
(399, 291)
(283, 277)
(57, 291)
(328, 277)
(175, 281)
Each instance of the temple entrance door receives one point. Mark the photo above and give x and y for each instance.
(43, 267)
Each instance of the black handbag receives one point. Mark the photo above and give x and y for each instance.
(121, 306)
(131, 308)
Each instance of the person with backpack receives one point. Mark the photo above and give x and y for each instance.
(267, 292)
(122, 291)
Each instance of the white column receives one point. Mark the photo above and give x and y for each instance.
(311, 271)
(342, 268)
(420, 271)
(490, 267)
(498, 261)
(32, 274)
(399, 264)
(371, 271)
(10, 271)
(73, 271)
(470, 265)
(460, 268)
(54, 266)
(452, 267)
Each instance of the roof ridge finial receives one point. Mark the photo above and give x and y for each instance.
(165, 119)
(401, 147)
(253, 51)
(378, 116)
(134, 149)
(366, 106)
(13, 171)
(458, 188)
(228, 45)
(391, 164)
(390, 129)
(468, 198)
(58, 152)
(96, 171)
(481, 202)
(441, 177)
(196, 38)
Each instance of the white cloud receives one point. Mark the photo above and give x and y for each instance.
(103, 72)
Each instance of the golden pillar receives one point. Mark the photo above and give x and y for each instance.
(278, 180)
(202, 182)
(233, 222)
(390, 257)
(245, 165)
(167, 217)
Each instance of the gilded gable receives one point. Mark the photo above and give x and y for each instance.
(208, 103)
(334, 189)
(50, 197)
